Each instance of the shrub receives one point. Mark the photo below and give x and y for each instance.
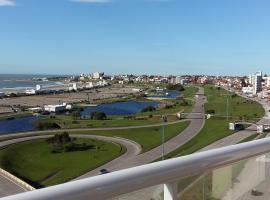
(47, 125)
(168, 106)
(184, 103)
(211, 111)
(148, 109)
(61, 138)
(177, 87)
(76, 115)
(98, 116)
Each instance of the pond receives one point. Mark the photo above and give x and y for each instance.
(23, 124)
(119, 108)
(166, 94)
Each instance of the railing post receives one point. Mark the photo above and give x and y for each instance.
(170, 191)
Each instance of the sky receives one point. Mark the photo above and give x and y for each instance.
(215, 37)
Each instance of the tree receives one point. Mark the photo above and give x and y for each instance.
(211, 111)
(98, 116)
(177, 87)
(149, 109)
(76, 115)
(47, 125)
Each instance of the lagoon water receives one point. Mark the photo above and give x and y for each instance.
(171, 94)
(119, 108)
(17, 125)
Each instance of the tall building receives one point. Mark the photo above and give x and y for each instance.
(257, 82)
(267, 80)
(97, 75)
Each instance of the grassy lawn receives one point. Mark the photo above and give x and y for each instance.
(189, 92)
(216, 128)
(34, 162)
(170, 111)
(148, 138)
(67, 122)
(239, 107)
(213, 130)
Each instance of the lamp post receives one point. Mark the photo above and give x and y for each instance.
(164, 120)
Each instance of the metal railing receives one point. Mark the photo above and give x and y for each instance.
(164, 172)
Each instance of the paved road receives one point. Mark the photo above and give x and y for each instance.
(32, 133)
(132, 157)
(147, 157)
(8, 187)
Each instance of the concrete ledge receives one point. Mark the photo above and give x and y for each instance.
(18, 181)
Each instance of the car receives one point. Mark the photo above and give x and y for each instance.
(103, 171)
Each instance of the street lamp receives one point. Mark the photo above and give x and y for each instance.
(164, 120)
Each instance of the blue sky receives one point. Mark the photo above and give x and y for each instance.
(135, 36)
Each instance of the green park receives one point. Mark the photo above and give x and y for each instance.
(43, 163)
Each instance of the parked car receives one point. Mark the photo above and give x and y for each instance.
(103, 171)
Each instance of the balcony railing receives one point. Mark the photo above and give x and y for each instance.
(224, 173)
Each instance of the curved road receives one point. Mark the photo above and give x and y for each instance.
(132, 157)
(192, 130)
(8, 187)
(33, 133)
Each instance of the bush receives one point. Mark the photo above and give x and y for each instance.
(168, 106)
(61, 138)
(98, 116)
(177, 87)
(130, 117)
(211, 111)
(184, 103)
(47, 125)
(76, 115)
(148, 109)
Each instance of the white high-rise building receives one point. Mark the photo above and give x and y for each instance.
(267, 80)
(97, 75)
(178, 79)
(256, 81)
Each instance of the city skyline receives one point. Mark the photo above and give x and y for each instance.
(134, 37)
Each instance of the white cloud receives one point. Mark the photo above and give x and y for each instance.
(92, 1)
(7, 3)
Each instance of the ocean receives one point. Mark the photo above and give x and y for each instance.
(19, 81)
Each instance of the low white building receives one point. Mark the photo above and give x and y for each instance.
(89, 85)
(73, 86)
(35, 110)
(101, 83)
(30, 91)
(136, 90)
(38, 87)
(57, 108)
(248, 90)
